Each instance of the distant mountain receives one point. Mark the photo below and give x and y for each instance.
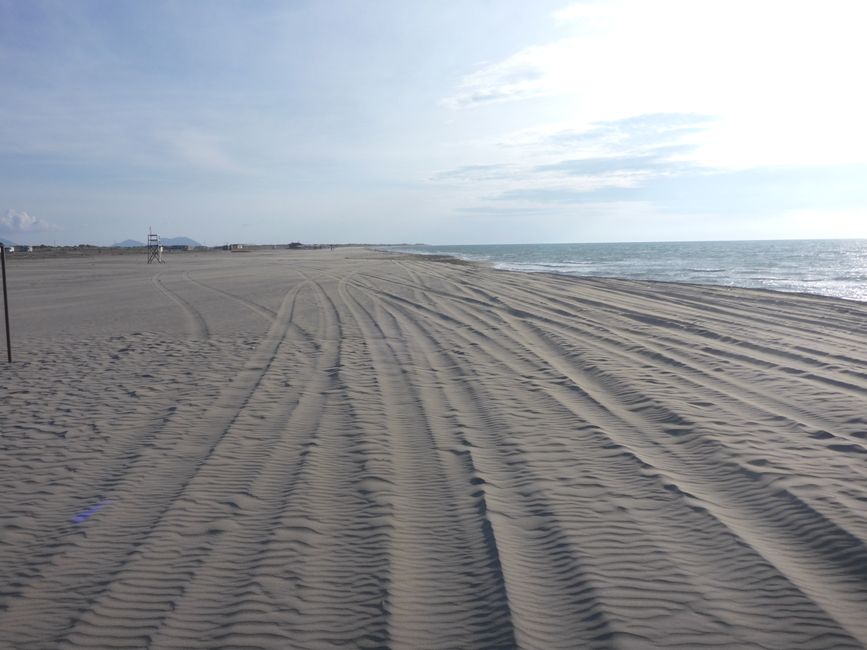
(128, 243)
(178, 241)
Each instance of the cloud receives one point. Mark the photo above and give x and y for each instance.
(15, 221)
(476, 173)
(609, 160)
(523, 75)
(635, 132)
(560, 195)
(702, 191)
(658, 161)
(498, 211)
(650, 157)
(776, 100)
(635, 142)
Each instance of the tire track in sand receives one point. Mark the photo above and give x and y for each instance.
(140, 500)
(268, 315)
(446, 588)
(195, 321)
(545, 587)
(605, 423)
(465, 459)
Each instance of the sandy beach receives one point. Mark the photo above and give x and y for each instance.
(321, 449)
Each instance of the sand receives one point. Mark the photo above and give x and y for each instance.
(355, 449)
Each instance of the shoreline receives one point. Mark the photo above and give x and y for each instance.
(481, 264)
(782, 278)
(110, 252)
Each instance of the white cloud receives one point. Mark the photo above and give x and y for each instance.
(565, 165)
(476, 173)
(780, 76)
(15, 221)
(524, 75)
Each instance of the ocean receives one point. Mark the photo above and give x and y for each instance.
(828, 267)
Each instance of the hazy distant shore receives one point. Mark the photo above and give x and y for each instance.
(315, 448)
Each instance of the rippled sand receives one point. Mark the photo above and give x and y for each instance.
(322, 449)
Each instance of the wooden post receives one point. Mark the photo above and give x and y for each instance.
(6, 302)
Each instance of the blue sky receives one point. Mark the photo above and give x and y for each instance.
(446, 122)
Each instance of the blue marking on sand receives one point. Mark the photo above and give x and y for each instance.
(84, 515)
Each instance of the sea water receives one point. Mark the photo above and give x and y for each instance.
(829, 267)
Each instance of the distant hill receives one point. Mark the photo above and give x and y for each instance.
(128, 243)
(178, 241)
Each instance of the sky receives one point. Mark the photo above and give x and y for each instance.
(448, 122)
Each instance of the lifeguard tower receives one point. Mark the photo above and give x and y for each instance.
(155, 249)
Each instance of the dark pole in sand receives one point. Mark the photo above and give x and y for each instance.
(5, 302)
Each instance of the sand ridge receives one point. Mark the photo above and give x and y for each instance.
(355, 449)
